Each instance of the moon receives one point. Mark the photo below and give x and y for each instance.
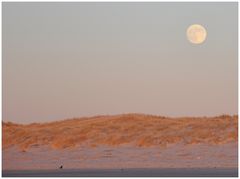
(196, 34)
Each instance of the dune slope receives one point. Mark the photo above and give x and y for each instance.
(133, 129)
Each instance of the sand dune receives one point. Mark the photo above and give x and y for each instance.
(132, 129)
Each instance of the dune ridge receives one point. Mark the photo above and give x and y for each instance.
(133, 129)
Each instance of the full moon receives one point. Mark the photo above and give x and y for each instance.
(196, 34)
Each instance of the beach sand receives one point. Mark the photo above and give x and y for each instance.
(122, 141)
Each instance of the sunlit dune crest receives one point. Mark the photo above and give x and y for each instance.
(135, 129)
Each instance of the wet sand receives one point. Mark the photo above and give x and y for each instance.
(163, 172)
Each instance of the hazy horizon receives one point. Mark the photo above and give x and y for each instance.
(66, 60)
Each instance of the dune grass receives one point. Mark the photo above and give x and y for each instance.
(134, 129)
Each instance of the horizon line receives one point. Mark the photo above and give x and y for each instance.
(123, 114)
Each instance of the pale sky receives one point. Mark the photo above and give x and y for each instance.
(65, 60)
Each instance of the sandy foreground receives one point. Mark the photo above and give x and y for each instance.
(122, 141)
